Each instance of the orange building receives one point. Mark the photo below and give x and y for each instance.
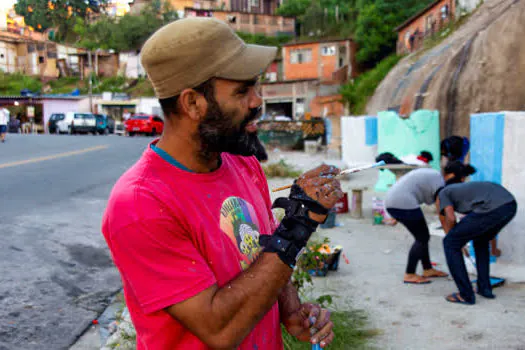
(413, 32)
(319, 59)
(309, 79)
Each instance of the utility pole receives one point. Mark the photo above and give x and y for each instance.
(90, 82)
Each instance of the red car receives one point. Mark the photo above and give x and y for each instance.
(147, 124)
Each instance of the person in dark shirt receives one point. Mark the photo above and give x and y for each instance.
(489, 208)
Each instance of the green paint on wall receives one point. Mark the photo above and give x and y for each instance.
(405, 136)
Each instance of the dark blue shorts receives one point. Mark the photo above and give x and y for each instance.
(3, 129)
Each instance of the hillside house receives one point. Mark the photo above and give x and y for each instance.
(312, 73)
(429, 21)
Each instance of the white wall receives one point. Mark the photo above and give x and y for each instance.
(8, 57)
(354, 148)
(3, 18)
(466, 6)
(149, 105)
(512, 239)
(133, 67)
(57, 106)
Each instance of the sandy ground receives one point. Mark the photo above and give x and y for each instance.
(409, 317)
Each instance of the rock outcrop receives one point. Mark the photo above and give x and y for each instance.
(478, 68)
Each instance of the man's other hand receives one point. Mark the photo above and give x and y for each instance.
(312, 324)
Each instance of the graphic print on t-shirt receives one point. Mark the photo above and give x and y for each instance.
(239, 222)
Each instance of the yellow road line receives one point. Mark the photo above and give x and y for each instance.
(54, 156)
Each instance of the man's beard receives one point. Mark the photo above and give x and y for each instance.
(217, 133)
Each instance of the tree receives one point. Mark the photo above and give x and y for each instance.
(294, 8)
(128, 32)
(58, 14)
(322, 17)
(375, 27)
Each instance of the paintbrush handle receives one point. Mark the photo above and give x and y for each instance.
(282, 188)
(344, 172)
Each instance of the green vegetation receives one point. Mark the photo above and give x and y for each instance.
(356, 94)
(375, 27)
(12, 84)
(280, 169)
(127, 33)
(349, 329)
(260, 39)
(370, 22)
(321, 18)
(349, 325)
(57, 15)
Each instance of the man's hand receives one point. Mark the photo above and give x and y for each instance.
(321, 185)
(310, 324)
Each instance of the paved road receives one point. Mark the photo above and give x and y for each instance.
(56, 274)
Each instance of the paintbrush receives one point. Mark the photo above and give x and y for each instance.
(343, 172)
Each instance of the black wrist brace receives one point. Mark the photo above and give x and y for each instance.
(290, 238)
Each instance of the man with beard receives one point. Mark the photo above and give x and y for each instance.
(190, 227)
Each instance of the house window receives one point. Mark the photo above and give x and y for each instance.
(328, 51)
(255, 19)
(254, 3)
(444, 12)
(41, 59)
(429, 25)
(301, 56)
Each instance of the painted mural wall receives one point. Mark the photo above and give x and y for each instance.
(359, 140)
(497, 145)
(405, 136)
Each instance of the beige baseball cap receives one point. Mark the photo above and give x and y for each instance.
(187, 52)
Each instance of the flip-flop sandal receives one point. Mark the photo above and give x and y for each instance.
(443, 276)
(457, 300)
(485, 295)
(417, 282)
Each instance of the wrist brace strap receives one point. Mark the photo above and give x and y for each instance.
(290, 238)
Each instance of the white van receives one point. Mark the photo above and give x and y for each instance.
(74, 122)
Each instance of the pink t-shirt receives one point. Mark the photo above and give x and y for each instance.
(173, 234)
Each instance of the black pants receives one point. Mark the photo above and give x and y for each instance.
(481, 229)
(415, 222)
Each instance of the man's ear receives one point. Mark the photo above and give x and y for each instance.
(192, 104)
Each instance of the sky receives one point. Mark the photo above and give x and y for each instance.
(6, 4)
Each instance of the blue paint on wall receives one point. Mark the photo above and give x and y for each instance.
(328, 128)
(486, 146)
(371, 131)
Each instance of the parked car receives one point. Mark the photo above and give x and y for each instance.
(78, 123)
(52, 123)
(105, 124)
(147, 124)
